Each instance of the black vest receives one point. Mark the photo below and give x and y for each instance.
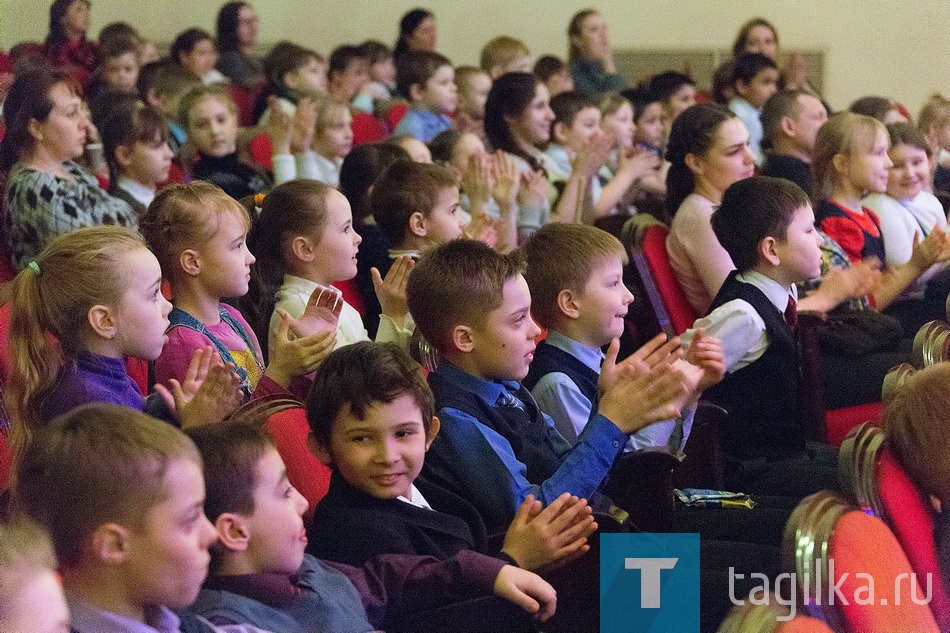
(763, 398)
(549, 359)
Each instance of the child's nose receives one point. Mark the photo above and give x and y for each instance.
(386, 452)
(535, 329)
(209, 533)
(166, 307)
(300, 502)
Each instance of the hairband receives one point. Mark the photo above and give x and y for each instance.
(258, 201)
(34, 267)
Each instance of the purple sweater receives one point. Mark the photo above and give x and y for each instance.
(92, 378)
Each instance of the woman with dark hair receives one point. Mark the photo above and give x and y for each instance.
(66, 45)
(417, 32)
(237, 32)
(47, 193)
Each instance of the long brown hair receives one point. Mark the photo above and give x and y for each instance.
(28, 99)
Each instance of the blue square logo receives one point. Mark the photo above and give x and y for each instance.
(649, 583)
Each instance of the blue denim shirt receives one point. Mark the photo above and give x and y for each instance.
(423, 124)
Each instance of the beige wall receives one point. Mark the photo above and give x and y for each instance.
(899, 49)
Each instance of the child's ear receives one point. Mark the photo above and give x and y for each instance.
(559, 131)
(123, 155)
(840, 163)
(233, 531)
(190, 262)
(322, 452)
(496, 71)
(416, 91)
(110, 543)
(417, 224)
(101, 321)
(290, 80)
(768, 252)
(302, 248)
(433, 431)
(567, 304)
(462, 338)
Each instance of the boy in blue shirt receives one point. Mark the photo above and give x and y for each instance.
(427, 79)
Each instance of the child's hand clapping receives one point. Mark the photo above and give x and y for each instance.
(478, 180)
(705, 352)
(304, 125)
(278, 127)
(637, 162)
(300, 356)
(391, 291)
(209, 393)
(507, 183)
(540, 540)
(533, 190)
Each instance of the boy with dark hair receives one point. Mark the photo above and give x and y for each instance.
(416, 206)
(767, 227)
(121, 496)
(427, 79)
(575, 275)
(496, 446)
(348, 72)
(754, 79)
(261, 575)
(372, 419)
(163, 84)
(790, 122)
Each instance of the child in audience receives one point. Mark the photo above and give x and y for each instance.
(305, 239)
(648, 136)
(210, 117)
(495, 446)
(575, 275)
(332, 140)
(196, 51)
(473, 85)
(258, 516)
(935, 124)
(883, 109)
(505, 54)
(293, 72)
(676, 92)
(754, 79)
(347, 73)
(368, 397)
(135, 139)
(767, 227)
(417, 150)
(378, 91)
(790, 123)
(121, 498)
(626, 166)
(427, 78)
(554, 74)
(118, 72)
(96, 291)
(31, 596)
(915, 421)
(198, 234)
(163, 85)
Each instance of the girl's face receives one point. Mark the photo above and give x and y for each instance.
(649, 129)
(141, 315)
(909, 173)
(63, 134)
(247, 31)
(533, 125)
(620, 126)
(225, 259)
(384, 71)
(338, 244)
(76, 20)
(336, 137)
(592, 41)
(309, 80)
(729, 160)
(201, 59)
(213, 127)
(425, 36)
(867, 170)
(146, 163)
(681, 99)
(761, 39)
(441, 94)
(585, 125)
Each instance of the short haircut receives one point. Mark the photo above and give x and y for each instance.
(405, 188)
(668, 83)
(610, 102)
(97, 464)
(563, 257)
(416, 68)
(548, 66)
(199, 93)
(185, 216)
(843, 133)
(165, 79)
(357, 376)
(186, 42)
(746, 66)
(459, 282)
(915, 421)
(783, 103)
(25, 552)
(343, 56)
(568, 105)
(640, 98)
(443, 145)
(935, 115)
(375, 51)
(907, 134)
(502, 51)
(753, 209)
(286, 57)
(118, 30)
(118, 46)
(873, 106)
(361, 168)
(133, 122)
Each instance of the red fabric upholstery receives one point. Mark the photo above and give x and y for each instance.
(803, 624)
(367, 128)
(262, 152)
(681, 312)
(137, 369)
(175, 175)
(863, 545)
(306, 473)
(395, 114)
(351, 294)
(911, 519)
(839, 421)
(6, 461)
(244, 99)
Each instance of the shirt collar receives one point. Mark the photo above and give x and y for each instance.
(772, 289)
(592, 358)
(137, 190)
(488, 390)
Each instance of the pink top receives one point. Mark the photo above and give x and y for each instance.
(700, 262)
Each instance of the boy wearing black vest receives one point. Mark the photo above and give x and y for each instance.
(767, 227)
(575, 275)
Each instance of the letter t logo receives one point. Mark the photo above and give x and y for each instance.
(649, 578)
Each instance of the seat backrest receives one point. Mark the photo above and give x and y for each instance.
(367, 128)
(682, 315)
(244, 99)
(261, 151)
(395, 114)
(932, 344)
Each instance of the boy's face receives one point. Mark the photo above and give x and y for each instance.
(384, 71)
(603, 303)
(502, 345)
(277, 536)
(443, 223)
(440, 93)
(309, 80)
(762, 86)
(121, 73)
(381, 454)
(201, 59)
(799, 253)
(37, 605)
(213, 127)
(146, 163)
(680, 100)
(811, 116)
(585, 125)
(620, 126)
(649, 127)
(348, 82)
(910, 172)
(166, 559)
